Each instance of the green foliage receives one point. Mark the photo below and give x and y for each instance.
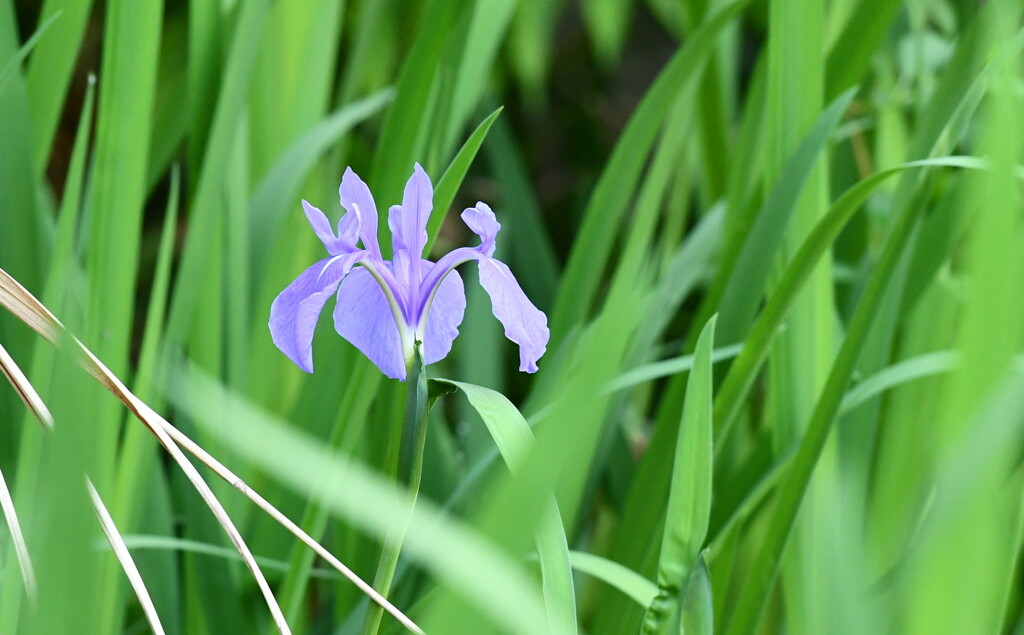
(779, 246)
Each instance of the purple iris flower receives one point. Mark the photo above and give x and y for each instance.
(387, 307)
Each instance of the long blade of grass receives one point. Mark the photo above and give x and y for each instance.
(748, 277)
(488, 25)
(452, 178)
(403, 133)
(230, 104)
(137, 542)
(13, 65)
(51, 69)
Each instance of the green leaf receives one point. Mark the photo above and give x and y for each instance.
(508, 428)
(13, 65)
(898, 374)
(451, 180)
(512, 435)
(749, 275)
(51, 69)
(637, 587)
(689, 502)
(698, 611)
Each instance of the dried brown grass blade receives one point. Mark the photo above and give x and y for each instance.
(28, 575)
(125, 558)
(24, 389)
(31, 311)
(27, 308)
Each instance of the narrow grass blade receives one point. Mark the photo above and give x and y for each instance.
(488, 25)
(125, 558)
(51, 69)
(451, 180)
(851, 55)
(669, 367)
(137, 542)
(231, 101)
(898, 374)
(748, 277)
(13, 65)
(131, 43)
(637, 587)
(28, 576)
(689, 502)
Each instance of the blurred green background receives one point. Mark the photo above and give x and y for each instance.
(778, 243)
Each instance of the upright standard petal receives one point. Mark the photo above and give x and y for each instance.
(356, 198)
(524, 323)
(364, 318)
(408, 223)
(294, 313)
(410, 231)
(322, 228)
(444, 317)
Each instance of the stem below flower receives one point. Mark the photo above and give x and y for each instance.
(410, 473)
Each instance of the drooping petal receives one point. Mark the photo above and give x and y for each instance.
(524, 323)
(294, 313)
(446, 312)
(364, 318)
(356, 198)
(482, 221)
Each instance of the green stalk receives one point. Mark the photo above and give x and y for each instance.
(410, 473)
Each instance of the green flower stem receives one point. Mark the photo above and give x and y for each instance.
(410, 473)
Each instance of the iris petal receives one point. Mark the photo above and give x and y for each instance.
(364, 318)
(356, 198)
(322, 228)
(294, 313)
(524, 323)
(482, 221)
(446, 312)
